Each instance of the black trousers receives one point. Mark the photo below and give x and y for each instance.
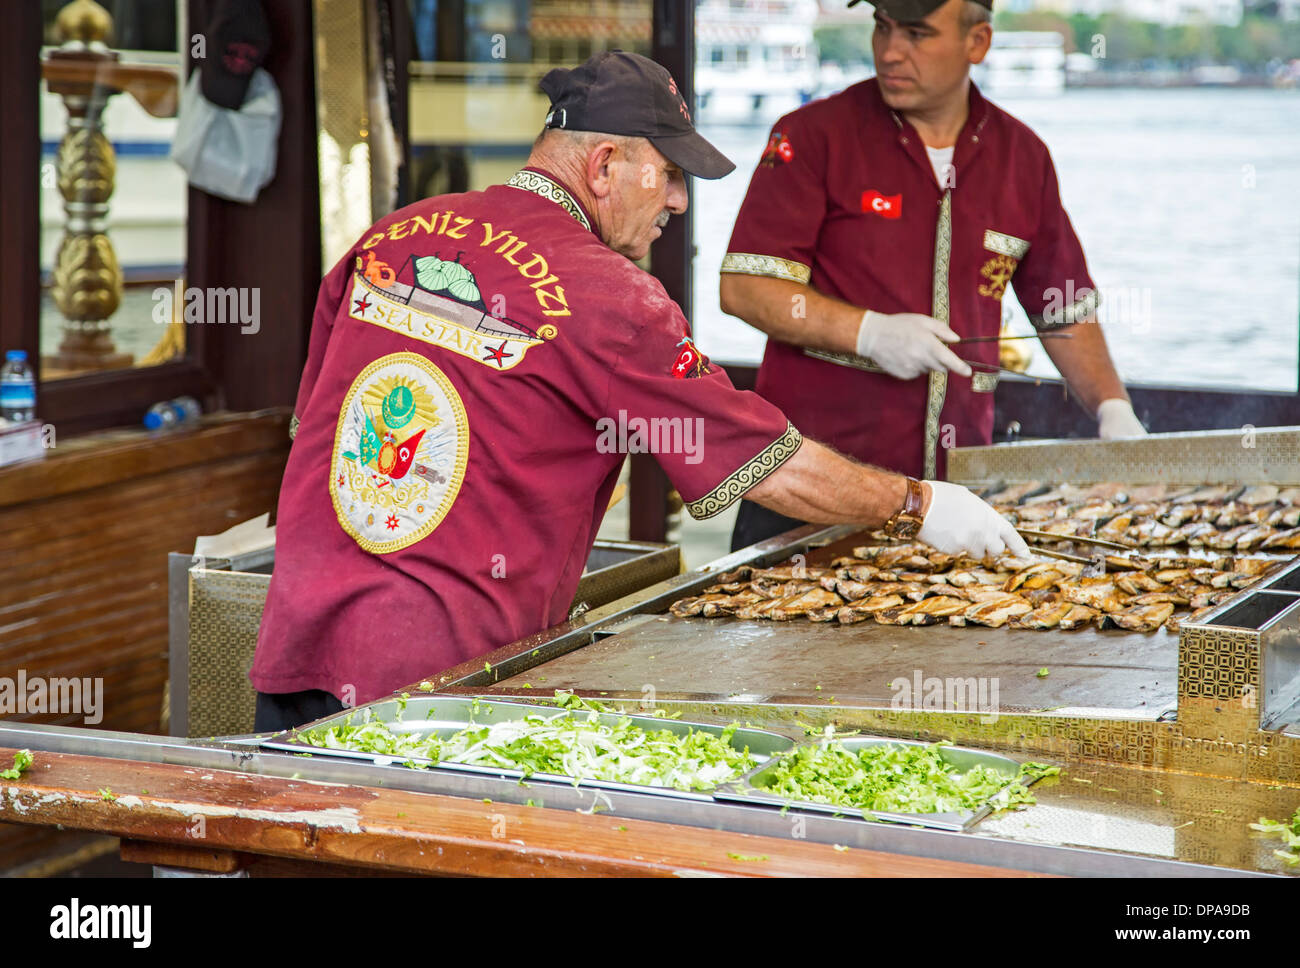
(756, 523)
(281, 711)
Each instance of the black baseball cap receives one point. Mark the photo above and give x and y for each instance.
(617, 92)
(237, 41)
(912, 11)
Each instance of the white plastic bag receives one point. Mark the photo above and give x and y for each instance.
(226, 153)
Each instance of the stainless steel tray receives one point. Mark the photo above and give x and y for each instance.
(751, 787)
(446, 715)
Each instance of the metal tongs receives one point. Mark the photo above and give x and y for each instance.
(1093, 566)
(999, 339)
(1099, 542)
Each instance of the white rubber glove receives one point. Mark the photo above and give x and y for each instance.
(1115, 418)
(906, 345)
(959, 521)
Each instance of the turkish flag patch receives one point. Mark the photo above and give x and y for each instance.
(886, 206)
(690, 362)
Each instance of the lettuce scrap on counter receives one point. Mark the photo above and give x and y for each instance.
(571, 743)
(896, 779)
(1288, 830)
(22, 760)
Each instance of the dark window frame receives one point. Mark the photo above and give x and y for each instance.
(227, 244)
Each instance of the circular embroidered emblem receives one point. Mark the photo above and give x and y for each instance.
(399, 452)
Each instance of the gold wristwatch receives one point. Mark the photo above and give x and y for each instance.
(906, 522)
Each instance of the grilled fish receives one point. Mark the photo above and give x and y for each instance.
(1078, 617)
(926, 612)
(743, 573)
(1227, 540)
(1252, 566)
(996, 613)
(1044, 617)
(791, 573)
(1098, 593)
(802, 604)
(851, 591)
(1035, 576)
(695, 606)
(730, 588)
(1159, 598)
(1116, 529)
(730, 605)
(861, 611)
(1179, 515)
(1259, 494)
(758, 609)
(1289, 540)
(1140, 618)
(1285, 516)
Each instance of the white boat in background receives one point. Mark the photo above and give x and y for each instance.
(754, 59)
(1023, 62)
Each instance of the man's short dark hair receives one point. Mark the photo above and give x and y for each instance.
(973, 14)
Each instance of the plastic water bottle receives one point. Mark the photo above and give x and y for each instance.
(172, 413)
(17, 388)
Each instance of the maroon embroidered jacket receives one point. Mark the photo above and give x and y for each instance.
(851, 206)
(479, 365)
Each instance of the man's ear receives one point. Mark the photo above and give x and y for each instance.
(598, 174)
(978, 43)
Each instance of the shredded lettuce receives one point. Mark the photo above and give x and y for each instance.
(22, 760)
(1288, 830)
(574, 743)
(896, 779)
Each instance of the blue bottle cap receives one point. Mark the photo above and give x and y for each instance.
(153, 420)
(16, 355)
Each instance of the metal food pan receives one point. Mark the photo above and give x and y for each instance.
(751, 788)
(444, 716)
(1287, 580)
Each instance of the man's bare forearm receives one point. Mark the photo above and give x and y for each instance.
(791, 312)
(1085, 362)
(820, 486)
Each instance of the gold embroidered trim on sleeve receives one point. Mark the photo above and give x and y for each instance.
(1079, 310)
(293, 426)
(1004, 244)
(737, 484)
(747, 263)
(531, 181)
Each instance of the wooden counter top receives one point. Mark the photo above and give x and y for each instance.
(211, 813)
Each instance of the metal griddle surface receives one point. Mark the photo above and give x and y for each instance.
(1132, 674)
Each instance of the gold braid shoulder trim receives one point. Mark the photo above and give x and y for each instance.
(531, 181)
(749, 264)
(1079, 310)
(734, 487)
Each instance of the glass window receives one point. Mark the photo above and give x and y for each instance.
(112, 203)
(736, 114)
(474, 105)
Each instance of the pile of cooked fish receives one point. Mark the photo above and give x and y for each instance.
(1139, 591)
(1220, 517)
